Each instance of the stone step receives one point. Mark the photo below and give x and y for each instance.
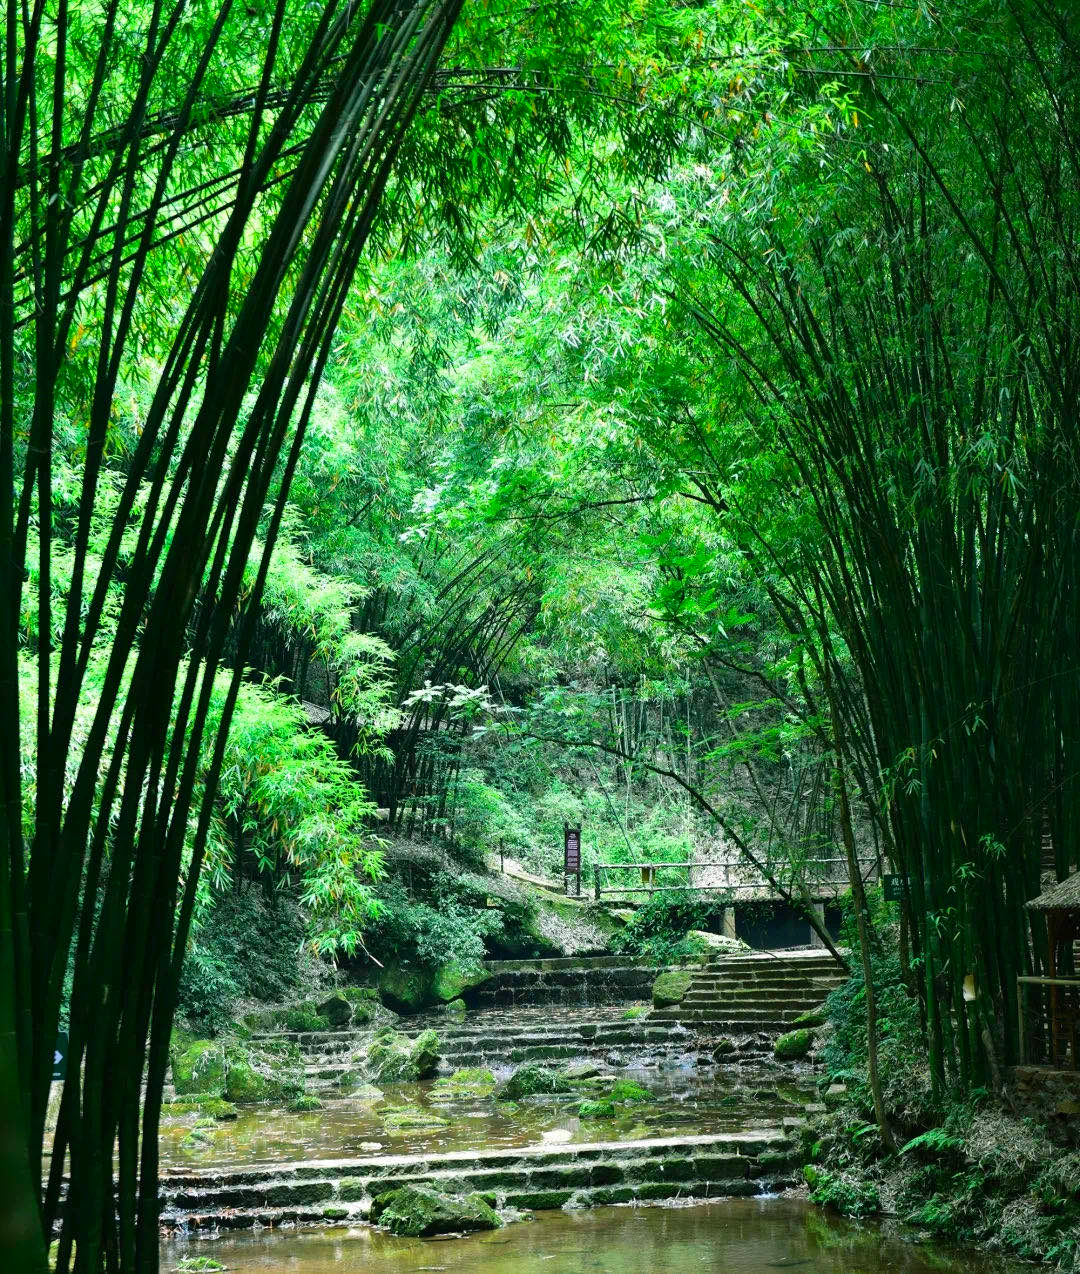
(537, 1177)
(784, 1009)
(761, 975)
(737, 994)
(769, 984)
(748, 1011)
(558, 964)
(728, 1026)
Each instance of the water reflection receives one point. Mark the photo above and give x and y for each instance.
(738, 1236)
(742, 1099)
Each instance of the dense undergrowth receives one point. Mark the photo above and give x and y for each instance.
(985, 1169)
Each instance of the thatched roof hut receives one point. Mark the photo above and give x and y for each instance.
(1064, 896)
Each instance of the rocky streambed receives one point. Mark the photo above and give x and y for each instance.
(446, 1114)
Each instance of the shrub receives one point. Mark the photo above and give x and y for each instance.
(660, 930)
(247, 948)
(846, 1195)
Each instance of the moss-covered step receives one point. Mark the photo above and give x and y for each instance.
(595, 1173)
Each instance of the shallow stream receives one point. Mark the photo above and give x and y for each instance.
(741, 1099)
(736, 1236)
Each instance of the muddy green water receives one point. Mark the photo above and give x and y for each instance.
(736, 1236)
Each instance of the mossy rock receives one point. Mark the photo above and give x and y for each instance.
(336, 1009)
(305, 1018)
(406, 988)
(305, 1103)
(793, 1045)
(203, 1104)
(455, 1009)
(725, 1047)
(360, 994)
(335, 1213)
(413, 1118)
(263, 1074)
(200, 1068)
(392, 1058)
(626, 1091)
(671, 987)
(811, 1018)
(419, 1211)
(373, 1013)
(581, 1072)
(596, 1110)
(424, 1054)
(453, 979)
(531, 1079)
(469, 1084)
(633, 1014)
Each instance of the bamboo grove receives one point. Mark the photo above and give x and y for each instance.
(904, 351)
(764, 324)
(267, 298)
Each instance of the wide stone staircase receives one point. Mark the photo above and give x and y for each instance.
(754, 993)
(499, 1041)
(536, 1177)
(566, 980)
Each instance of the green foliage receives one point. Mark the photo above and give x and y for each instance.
(901, 1046)
(847, 1195)
(250, 950)
(659, 930)
(447, 924)
(304, 1104)
(295, 806)
(416, 1211)
(933, 1142)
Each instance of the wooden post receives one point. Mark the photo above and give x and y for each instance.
(1055, 1028)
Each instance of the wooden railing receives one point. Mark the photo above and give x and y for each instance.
(648, 877)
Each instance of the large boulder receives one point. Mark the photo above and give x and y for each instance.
(263, 1074)
(406, 988)
(671, 988)
(199, 1067)
(302, 1016)
(530, 1079)
(418, 1211)
(793, 1045)
(336, 1009)
(452, 980)
(392, 1058)
(625, 1090)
